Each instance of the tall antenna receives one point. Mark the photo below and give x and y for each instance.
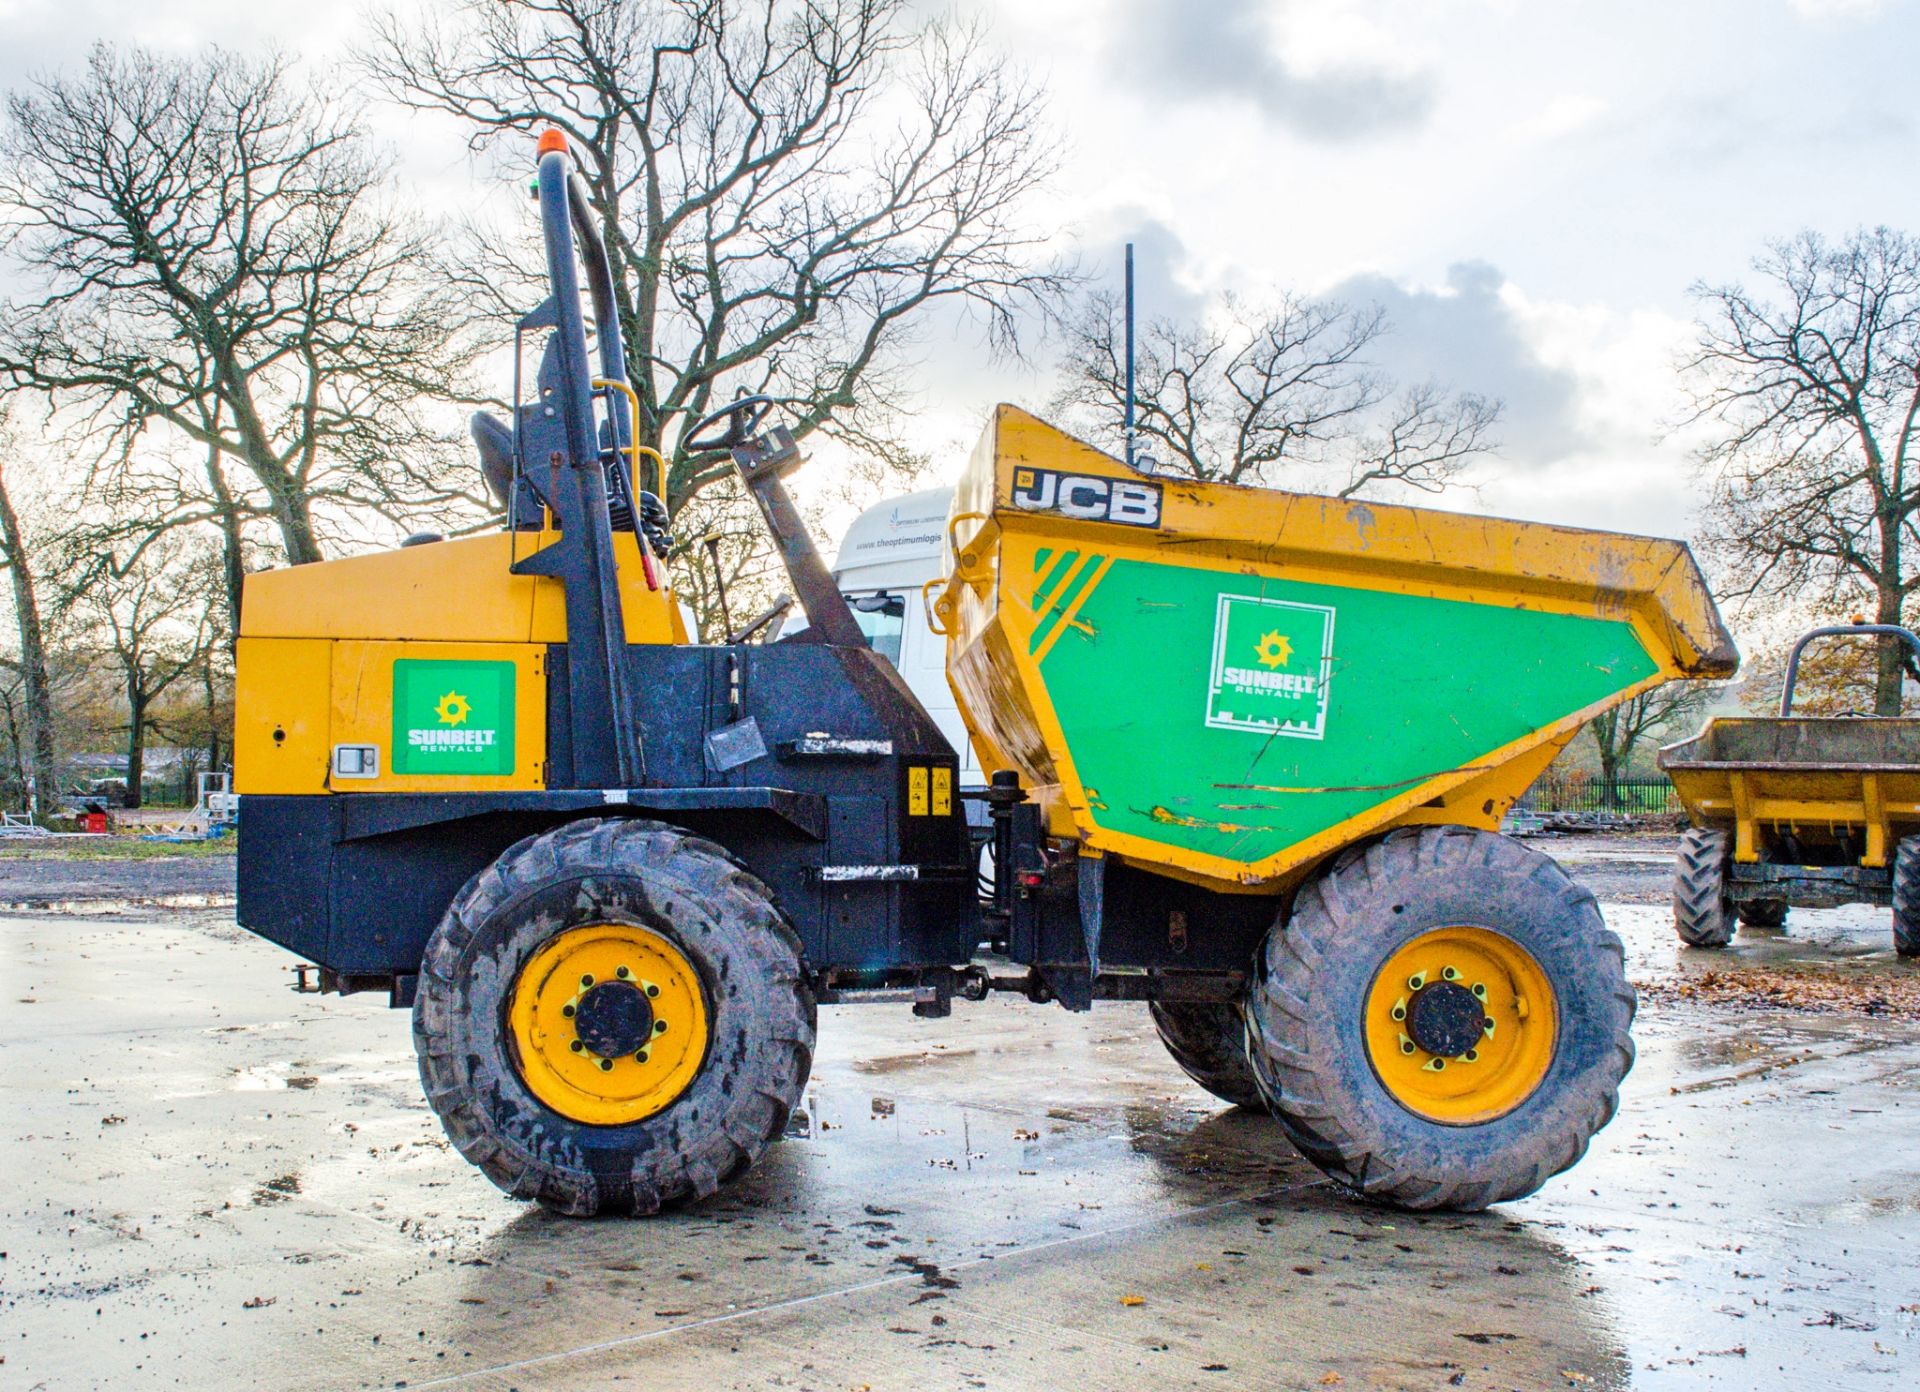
(1129, 420)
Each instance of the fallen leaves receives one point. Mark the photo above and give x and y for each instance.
(1132, 1300)
(1811, 991)
(258, 1302)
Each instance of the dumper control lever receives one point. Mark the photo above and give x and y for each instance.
(763, 460)
(743, 417)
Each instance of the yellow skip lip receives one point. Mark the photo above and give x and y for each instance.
(574, 1081)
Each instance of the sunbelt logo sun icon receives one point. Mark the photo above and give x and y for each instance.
(453, 709)
(1274, 649)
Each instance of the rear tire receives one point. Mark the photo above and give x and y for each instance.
(1319, 978)
(1209, 1041)
(1762, 913)
(1702, 913)
(744, 984)
(1906, 897)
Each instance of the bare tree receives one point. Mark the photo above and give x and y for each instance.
(1836, 676)
(1278, 394)
(1620, 731)
(196, 716)
(787, 189)
(155, 614)
(215, 256)
(1813, 387)
(33, 727)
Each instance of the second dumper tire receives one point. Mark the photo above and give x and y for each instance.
(1443, 1022)
(1209, 1041)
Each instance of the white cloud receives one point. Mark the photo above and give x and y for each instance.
(1631, 468)
(1568, 113)
(1836, 9)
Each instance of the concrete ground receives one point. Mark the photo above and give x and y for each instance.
(211, 1183)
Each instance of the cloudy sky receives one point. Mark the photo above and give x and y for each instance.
(1530, 189)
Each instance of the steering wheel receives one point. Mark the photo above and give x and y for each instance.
(742, 415)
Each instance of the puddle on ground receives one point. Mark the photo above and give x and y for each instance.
(107, 908)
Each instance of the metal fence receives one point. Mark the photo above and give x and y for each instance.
(1583, 792)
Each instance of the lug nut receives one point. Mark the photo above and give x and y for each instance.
(567, 1010)
(1416, 981)
(622, 973)
(1399, 1012)
(585, 981)
(659, 1026)
(1449, 974)
(1486, 1024)
(577, 1047)
(652, 990)
(640, 1057)
(1480, 990)
(606, 1065)
(1406, 1046)
(1472, 1056)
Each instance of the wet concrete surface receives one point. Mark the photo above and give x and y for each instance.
(213, 1183)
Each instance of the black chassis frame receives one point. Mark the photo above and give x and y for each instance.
(1809, 886)
(883, 898)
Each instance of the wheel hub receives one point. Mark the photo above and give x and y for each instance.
(1460, 1025)
(614, 1018)
(1445, 1018)
(609, 1023)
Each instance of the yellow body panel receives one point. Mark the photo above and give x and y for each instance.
(449, 591)
(282, 723)
(362, 707)
(318, 643)
(997, 637)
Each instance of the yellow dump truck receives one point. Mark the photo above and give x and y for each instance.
(1799, 811)
(1248, 754)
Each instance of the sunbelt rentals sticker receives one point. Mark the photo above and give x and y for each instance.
(1271, 662)
(452, 717)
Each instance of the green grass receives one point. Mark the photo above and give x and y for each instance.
(114, 847)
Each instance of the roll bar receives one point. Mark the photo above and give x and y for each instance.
(600, 690)
(1855, 630)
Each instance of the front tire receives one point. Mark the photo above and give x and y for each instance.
(1208, 1040)
(612, 1017)
(1702, 914)
(1528, 1019)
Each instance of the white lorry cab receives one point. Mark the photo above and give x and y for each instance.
(887, 555)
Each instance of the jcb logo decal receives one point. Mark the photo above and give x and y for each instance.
(1130, 502)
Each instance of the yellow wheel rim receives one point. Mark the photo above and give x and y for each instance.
(608, 1023)
(1433, 1056)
